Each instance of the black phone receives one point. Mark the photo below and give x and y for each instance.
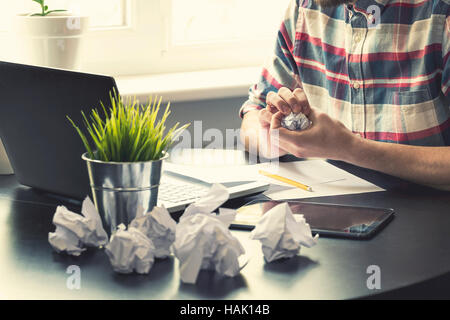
(332, 220)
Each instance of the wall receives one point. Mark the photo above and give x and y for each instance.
(220, 114)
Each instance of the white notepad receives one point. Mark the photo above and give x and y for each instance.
(324, 178)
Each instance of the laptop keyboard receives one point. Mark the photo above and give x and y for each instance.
(180, 192)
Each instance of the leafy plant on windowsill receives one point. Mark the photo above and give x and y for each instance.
(44, 9)
(130, 132)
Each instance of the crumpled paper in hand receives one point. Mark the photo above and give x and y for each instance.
(159, 227)
(295, 122)
(130, 250)
(203, 240)
(74, 231)
(281, 234)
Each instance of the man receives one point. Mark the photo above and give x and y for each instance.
(372, 76)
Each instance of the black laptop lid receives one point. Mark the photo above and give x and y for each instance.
(41, 144)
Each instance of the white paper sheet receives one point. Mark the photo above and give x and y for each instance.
(281, 234)
(219, 174)
(130, 251)
(324, 178)
(313, 171)
(203, 240)
(159, 227)
(5, 166)
(309, 172)
(347, 184)
(76, 231)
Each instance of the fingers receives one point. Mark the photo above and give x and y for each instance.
(278, 134)
(272, 109)
(281, 138)
(275, 121)
(291, 141)
(288, 101)
(265, 117)
(289, 97)
(275, 100)
(302, 101)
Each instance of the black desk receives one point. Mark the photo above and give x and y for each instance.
(413, 252)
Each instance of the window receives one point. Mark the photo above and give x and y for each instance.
(198, 21)
(103, 13)
(215, 34)
(130, 37)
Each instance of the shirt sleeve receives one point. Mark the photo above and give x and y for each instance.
(281, 69)
(446, 58)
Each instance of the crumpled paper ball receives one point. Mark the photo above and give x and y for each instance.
(281, 234)
(74, 231)
(159, 227)
(295, 122)
(203, 240)
(130, 251)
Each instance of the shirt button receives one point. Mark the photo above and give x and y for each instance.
(356, 85)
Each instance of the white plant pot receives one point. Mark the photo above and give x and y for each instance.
(51, 41)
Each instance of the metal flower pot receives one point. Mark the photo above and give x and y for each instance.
(121, 188)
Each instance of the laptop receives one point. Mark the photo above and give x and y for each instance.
(44, 149)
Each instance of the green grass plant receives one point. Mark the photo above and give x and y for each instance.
(129, 132)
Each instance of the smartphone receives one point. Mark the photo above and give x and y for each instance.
(331, 220)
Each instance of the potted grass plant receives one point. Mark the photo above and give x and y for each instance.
(50, 38)
(125, 149)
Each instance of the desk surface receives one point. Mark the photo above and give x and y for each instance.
(413, 248)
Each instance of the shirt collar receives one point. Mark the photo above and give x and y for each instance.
(364, 4)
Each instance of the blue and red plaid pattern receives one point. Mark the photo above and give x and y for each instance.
(389, 82)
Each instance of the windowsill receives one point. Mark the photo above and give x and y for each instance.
(190, 86)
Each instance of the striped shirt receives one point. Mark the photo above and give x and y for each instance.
(387, 80)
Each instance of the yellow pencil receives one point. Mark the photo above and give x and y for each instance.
(286, 180)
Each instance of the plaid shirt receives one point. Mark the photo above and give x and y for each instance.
(386, 80)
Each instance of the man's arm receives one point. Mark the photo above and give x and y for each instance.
(249, 131)
(329, 138)
(425, 165)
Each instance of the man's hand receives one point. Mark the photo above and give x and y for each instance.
(255, 134)
(255, 131)
(287, 101)
(326, 138)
